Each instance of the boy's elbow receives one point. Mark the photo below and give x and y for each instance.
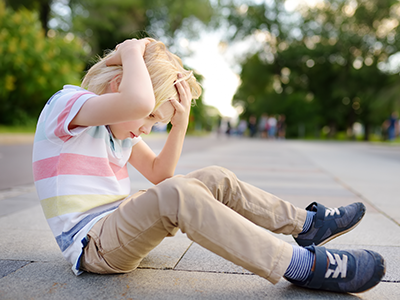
(160, 179)
(148, 104)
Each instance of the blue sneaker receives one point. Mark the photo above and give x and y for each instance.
(351, 271)
(330, 223)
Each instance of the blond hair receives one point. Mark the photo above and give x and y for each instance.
(162, 65)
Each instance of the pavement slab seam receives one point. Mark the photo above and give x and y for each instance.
(348, 187)
(9, 266)
(183, 254)
(194, 271)
(361, 196)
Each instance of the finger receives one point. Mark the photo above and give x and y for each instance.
(180, 110)
(119, 45)
(176, 105)
(186, 88)
(146, 41)
(183, 101)
(111, 60)
(180, 87)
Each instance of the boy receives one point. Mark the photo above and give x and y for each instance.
(84, 140)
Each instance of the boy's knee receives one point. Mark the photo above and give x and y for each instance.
(214, 170)
(213, 174)
(175, 188)
(178, 192)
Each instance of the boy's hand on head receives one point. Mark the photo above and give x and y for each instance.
(182, 107)
(128, 47)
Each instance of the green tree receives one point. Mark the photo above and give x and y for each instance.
(261, 92)
(42, 6)
(33, 67)
(358, 37)
(333, 55)
(105, 23)
(102, 24)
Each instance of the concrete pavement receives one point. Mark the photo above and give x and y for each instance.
(335, 174)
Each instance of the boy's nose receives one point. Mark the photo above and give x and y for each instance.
(145, 129)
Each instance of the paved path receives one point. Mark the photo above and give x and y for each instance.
(15, 165)
(31, 266)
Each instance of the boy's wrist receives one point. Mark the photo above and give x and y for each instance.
(180, 127)
(131, 53)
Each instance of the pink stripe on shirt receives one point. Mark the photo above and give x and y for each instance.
(119, 172)
(60, 131)
(77, 164)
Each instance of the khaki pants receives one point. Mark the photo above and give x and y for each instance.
(213, 208)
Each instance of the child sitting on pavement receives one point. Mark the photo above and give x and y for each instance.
(86, 137)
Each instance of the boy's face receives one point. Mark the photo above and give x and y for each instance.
(135, 128)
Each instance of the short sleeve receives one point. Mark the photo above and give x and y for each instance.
(62, 110)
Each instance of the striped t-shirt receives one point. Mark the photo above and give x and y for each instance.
(80, 175)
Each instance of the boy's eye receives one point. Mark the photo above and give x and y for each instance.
(152, 116)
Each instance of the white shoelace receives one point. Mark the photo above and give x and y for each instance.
(331, 211)
(341, 267)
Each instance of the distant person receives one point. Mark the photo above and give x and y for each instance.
(219, 125)
(159, 127)
(242, 127)
(391, 126)
(272, 127)
(252, 126)
(281, 127)
(84, 141)
(262, 126)
(228, 128)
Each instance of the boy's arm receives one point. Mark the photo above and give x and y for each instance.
(132, 99)
(158, 168)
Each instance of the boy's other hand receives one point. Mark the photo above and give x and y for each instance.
(182, 107)
(128, 47)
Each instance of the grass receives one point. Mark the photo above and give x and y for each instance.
(27, 129)
(17, 129)
(8, 129)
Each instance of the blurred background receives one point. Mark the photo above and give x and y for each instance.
(270, 69)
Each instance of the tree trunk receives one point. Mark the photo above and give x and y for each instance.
(43, 6)
(367, 129)
(44, 14)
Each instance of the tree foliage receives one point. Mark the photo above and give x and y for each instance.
(32, 67)
(322, 66)
(43, 7)
(37, 60)
(105, 23)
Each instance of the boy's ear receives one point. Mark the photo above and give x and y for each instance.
(115, 82)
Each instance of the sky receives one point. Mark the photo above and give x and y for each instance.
(220, 80)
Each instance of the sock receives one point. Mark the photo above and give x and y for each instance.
(309, 221)
(300, 265)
